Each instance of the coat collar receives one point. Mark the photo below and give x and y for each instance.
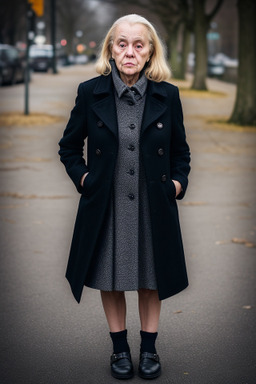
(105, 108)
(105, 85)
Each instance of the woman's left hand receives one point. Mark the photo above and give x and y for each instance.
(178, 187)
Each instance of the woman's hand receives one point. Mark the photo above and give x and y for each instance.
(82, 179)
(178, 187)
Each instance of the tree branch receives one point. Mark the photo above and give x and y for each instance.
(215, 10)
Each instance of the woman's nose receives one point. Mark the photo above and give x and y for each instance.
(129, 51)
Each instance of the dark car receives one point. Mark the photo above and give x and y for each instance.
(40, 57)
(12, 65)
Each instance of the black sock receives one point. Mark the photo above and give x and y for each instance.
(119, 340)
(148, 341)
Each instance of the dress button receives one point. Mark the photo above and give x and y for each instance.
(130, 102)
(131, 196)
(131, 147)
(160, 125)
(160, 151)
(131, 172)
(98, 152)
(100, 124)
(132, 126)
(163, 178)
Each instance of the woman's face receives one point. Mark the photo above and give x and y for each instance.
(130, 50)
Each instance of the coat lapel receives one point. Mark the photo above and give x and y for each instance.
(154, 107)
(105, 108)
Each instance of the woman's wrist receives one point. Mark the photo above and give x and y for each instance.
(178, 187)
(82, 179)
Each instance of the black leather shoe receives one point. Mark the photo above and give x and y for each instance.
(149, 367)
(121, 365)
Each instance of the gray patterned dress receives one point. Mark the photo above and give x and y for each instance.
(124, 259)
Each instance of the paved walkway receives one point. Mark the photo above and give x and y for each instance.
(207, 333)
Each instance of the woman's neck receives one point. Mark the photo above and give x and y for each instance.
(130, 80)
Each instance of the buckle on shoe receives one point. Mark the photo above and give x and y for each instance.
(151, 356)
(118, 356)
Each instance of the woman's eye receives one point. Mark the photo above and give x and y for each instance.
(138, 46)
(121, 45)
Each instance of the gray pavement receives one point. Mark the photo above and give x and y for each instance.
(207, 333)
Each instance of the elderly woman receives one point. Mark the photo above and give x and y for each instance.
(127, 235)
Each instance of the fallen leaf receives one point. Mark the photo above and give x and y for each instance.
(247, 307)
(179, 311)
(220, 242)
(250, 245)
(245, 242)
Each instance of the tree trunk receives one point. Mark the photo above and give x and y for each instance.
(185, 52)
(175, 57)
(244, 112)
(201, 26)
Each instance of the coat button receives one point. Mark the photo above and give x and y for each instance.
(160, 151)
(131, 172)
(98, 152)
(163, 178)
(132, 126)
(160, 125)
(131, 147)
(131, 196)
(130, 102)
(100, 124)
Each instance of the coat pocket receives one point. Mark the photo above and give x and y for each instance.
(171, 189)
(88, 185)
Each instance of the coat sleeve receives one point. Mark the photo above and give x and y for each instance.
(180, 152)
(72, 143)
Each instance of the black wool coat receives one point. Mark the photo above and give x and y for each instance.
(165, 156)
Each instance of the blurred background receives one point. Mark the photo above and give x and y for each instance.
(78, 26)
(202, 38)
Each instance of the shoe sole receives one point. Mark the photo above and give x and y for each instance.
(122, 377)
(148, 377)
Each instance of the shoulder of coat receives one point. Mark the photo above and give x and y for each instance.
(170, 86)
(90, 83)
(163, 88)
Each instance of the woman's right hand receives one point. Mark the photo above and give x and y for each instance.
(82, 179)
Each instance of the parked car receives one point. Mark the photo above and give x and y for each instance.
(219, 64)
(12, 65)
(40, 57)
(215, 67)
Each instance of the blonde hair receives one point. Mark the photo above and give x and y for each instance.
(157, 68)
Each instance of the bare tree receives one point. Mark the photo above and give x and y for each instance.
(12, 21)
(69, 14)
(244, 112)
(84, 16)
(201, 26)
